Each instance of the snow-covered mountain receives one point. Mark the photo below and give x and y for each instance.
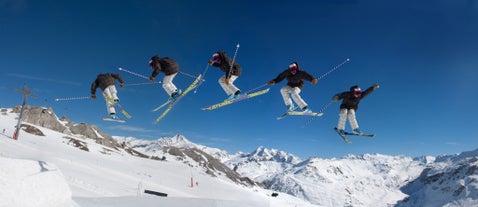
(450, 181)
(93, 164)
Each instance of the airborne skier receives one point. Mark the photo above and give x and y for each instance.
(295, 82)
(170, 69)
(350, 102)
(106, 82)
(232, 72)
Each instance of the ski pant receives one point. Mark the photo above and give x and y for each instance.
(288, 92)
(343, 115)
(228, 88)
(111, 92)
(168, 84)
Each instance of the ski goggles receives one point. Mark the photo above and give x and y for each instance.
(357, 91)
(215, 57)
(293, 66)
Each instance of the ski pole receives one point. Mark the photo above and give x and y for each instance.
(72, 98)
(233, 59)
(320, 111)
(133, 73)
(202, 77)
(145, 83)
(256, 88)
(187, 74)
(334, 68)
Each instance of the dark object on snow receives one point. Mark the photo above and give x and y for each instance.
(156, 193)
(275, 194)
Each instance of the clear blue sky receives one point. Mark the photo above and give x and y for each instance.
(423, 54)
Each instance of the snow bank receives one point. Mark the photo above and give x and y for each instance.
(32, 183)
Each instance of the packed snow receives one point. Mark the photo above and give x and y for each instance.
(50, 171)
(70, 170)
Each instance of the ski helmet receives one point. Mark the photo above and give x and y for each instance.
(154, 58)
(357, 91)
(215, 57)
(293, 66)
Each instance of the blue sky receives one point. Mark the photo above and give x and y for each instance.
(424, 56)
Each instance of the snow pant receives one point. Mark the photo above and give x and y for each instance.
(343, 115)
(228, 88)
(168, 84)
(288, 92)
(111, 92)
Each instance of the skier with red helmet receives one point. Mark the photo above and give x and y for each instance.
(170, 69)
(232, 72)
(350, 102)
(295, 82)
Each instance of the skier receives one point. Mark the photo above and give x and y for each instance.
(170, 69)
(106, 82)
(295, 82)
(223, 62)
(350, 102)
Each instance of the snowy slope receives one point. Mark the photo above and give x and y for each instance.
(62, 170)
(104, 176)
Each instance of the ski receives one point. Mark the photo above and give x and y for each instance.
(363, 134)
(116, 120)
(342, 135)
(117, 106)
(286, 113)
(175, 101)
(242, 98)
(301, 113)
(164, 104)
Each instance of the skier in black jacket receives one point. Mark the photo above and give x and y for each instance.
(295, 82)
(223, 62)
(106, 82)
(350, 102)
(170, 69)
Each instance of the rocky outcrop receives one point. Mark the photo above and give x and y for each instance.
(40, 116)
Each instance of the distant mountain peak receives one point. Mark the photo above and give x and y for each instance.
(176, 141)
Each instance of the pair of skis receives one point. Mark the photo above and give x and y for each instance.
(351, 134)
(293, 112)
(117, 107)
(172, 102)
(235, 100)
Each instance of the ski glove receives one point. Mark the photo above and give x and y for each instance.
(375, 86)
(93, 96)
(314, 81)
(209, 61)
(121, 85)
(151, 78)
(226, 81)
(335, 98)
(271, 82)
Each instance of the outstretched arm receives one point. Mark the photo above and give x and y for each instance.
(369, 90)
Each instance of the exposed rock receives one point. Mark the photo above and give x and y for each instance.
(31, 129)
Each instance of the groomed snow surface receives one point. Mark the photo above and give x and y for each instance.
(48, 171)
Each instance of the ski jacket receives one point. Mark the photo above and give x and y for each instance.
(166, 65)
(349, 101)
(104, 80)
(225, 65)
(294, 80)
